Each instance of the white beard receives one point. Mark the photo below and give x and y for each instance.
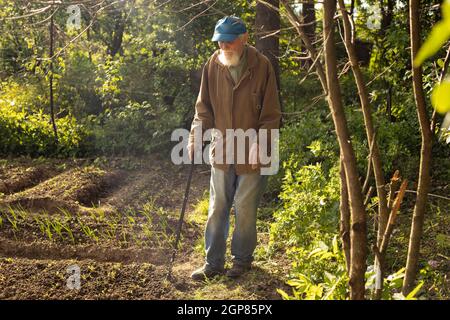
(230, 59)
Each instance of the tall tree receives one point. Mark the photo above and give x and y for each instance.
(52, 107)
(309, 21)
(344, 208)
(387, 14)
(351, 191)
(115, 46)
(299, 27)
(358, 233)
(267, 25)
(425, 154)
(375, 157)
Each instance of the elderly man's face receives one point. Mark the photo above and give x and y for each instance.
(230, 51)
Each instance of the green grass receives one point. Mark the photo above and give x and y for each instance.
(200, 213)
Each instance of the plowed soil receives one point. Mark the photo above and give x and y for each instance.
(115, 220)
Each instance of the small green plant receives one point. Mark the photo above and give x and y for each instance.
(40, 224)
(12, 218)
(124, 235)
(200, 214)
(69, 232)
(21, 213)
(90, 232)
(47, 224)
(112, 227)
(87, 230)
(57, 227)
(97, 215)
(312, 281)
(65, 224)
(393, 284)
(147, 230)
(131, 221)
(166, 233)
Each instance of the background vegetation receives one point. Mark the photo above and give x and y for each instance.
(123, 86)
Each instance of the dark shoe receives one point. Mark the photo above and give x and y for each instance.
(204, 273)
(238, 270)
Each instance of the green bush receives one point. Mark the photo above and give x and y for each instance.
(308, 140)
(306, 228)
(135, 129)
(27, 133)
(318, 273)
(310, 205)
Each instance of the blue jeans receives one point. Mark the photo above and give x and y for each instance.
(246, 191)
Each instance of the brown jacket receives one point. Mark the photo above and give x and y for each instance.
(251, 103)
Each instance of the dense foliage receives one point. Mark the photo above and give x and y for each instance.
(125, 98)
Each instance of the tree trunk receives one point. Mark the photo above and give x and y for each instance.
(52, 107)
(293, 19)
(266, 23)
(383, 214)
(358, 236)
(309, 19)
(345, 217)
(425, 155)
(370, 130)
(387, 14)
(116, 44)
(119, 28)
(88, 38)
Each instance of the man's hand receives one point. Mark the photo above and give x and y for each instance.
(254, 156)
(190, 148)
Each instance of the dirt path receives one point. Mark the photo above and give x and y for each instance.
(114, 220)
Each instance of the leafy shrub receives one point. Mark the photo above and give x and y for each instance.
(27, 133)
(306, 141)
(306, 227)
(318, 274)
(310, 205)
(135, 129)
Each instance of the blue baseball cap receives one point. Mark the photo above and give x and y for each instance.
(228, 29)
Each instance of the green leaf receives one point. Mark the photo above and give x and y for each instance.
(335, 245)
(440, 97)
(446, 10)
(283, 294)
(330, 277)
(314, 292)
(412, 294)
(438, 36)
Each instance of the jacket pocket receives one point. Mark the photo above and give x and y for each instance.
(256, 102)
